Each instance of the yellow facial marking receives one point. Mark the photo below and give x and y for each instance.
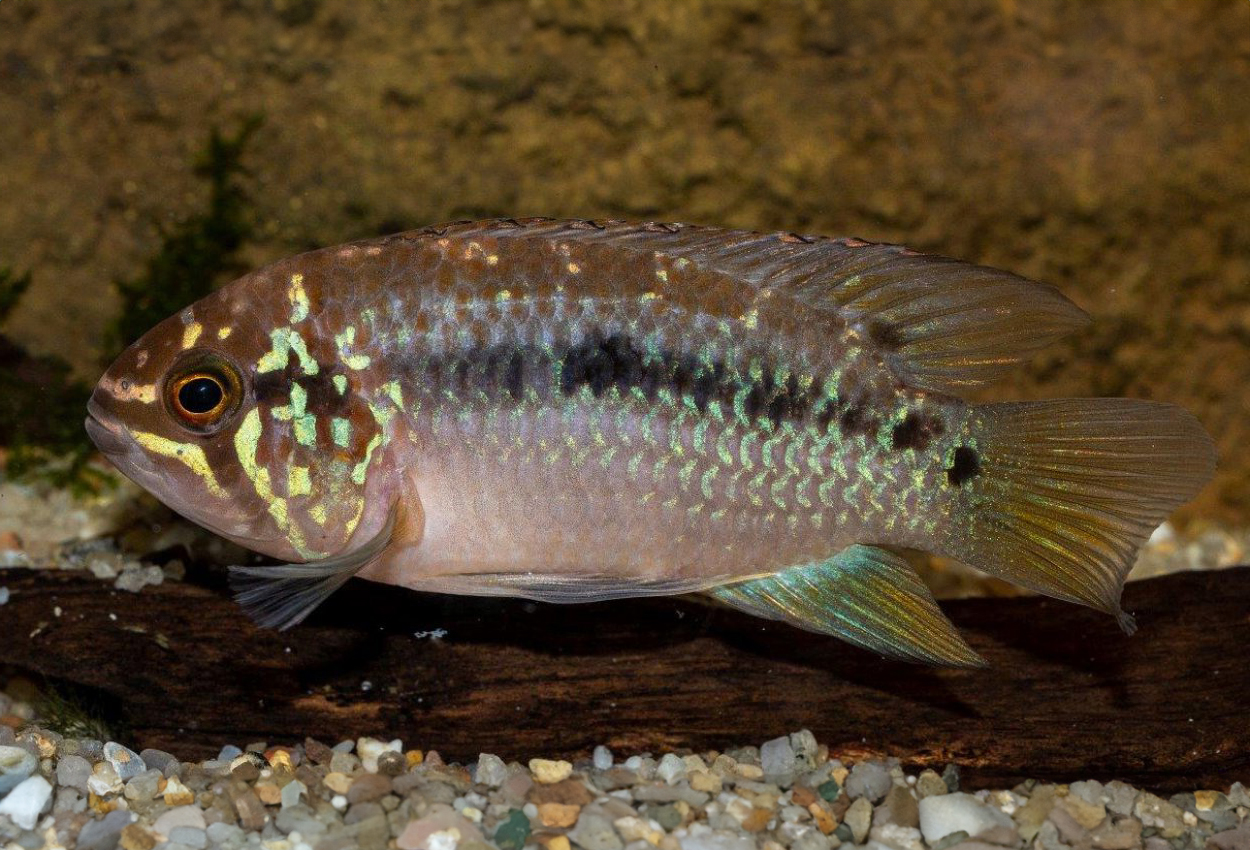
(246, 442)
(125, 391)
(298, 297)
(224, 333)
(190, 334)
(189, 454)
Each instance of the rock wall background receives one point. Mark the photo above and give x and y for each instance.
(1103, 147)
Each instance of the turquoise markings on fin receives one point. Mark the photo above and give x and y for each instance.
(865, 595)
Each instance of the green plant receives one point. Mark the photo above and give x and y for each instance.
(199, 251)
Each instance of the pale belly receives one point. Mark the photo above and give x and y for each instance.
(605, 496)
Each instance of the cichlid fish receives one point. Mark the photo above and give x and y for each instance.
(572, 411)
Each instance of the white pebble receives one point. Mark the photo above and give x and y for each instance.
(947, 813)
(602, 757)
(671, 769)
(490, 770)
(25, 802)
(4, 595)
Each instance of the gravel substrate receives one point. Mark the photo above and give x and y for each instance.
(368, 793)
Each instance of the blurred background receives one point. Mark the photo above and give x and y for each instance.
(149, 150)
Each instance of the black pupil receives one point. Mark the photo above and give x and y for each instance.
(199, 395)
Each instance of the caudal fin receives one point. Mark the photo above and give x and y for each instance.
(1058, 496)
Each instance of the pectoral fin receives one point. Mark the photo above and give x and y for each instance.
(864, 595)
(279, 597)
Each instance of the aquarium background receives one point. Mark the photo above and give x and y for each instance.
(1102, 147)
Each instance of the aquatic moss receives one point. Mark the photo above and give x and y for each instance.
(200, 250)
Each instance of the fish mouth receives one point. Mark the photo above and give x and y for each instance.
(106, 435)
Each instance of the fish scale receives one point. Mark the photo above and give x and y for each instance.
(570, 411)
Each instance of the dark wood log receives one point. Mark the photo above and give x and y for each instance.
(1067, 697)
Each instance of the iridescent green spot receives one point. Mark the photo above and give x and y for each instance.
(284, 341)
(340, 383)
(394, 393)
(359, 470)
(341, 431)
(298, 481)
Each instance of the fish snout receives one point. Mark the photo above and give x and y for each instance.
(102, 427)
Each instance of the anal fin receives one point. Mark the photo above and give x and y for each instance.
(279, 597)
(865, 595)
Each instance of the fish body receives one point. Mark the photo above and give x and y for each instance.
(573, 411)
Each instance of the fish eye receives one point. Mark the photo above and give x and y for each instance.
(201, 397)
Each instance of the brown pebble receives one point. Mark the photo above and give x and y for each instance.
(135, 837)
(757, 820)
(368, 787)
(317, 752)
(269, 794)
(558, 815)
(246, 772)
(251, 810)
(803, 796)
(10, 541)
(825, 821)
(433, 759)
(570, 792)
(391, 763)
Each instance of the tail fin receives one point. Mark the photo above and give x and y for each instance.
(1058, 496)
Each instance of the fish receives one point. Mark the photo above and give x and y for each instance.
(574, 411)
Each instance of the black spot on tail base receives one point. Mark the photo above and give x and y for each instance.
(965, 466)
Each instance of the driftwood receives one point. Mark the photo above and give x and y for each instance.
(1067, 697)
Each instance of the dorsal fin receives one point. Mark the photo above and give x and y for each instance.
(942, 324)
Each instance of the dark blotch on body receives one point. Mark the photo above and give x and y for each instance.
(916, 432)
(966, 465)
(324, 399)
(856, 419)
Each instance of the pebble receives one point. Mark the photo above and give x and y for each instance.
(16, 764)
(672, 768)
(160, 760)
(595, 831)
(1231, 839)
(899, 808)
(126, 762)
(103, 834)
(777, 757)
(1159, 813)
(177, 794)
(942, 815)
(547, 771)
(368, 749)
(784, 795)
(27, 801)
(929, 784)
(716, 841)
(181, 816)
(490, 771)
(439, 830)
(104, 780)
(868, 779)
(859, 818)
(291, 793)
(368, 787)
(189, 836)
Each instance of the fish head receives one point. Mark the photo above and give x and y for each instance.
(238, 415)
